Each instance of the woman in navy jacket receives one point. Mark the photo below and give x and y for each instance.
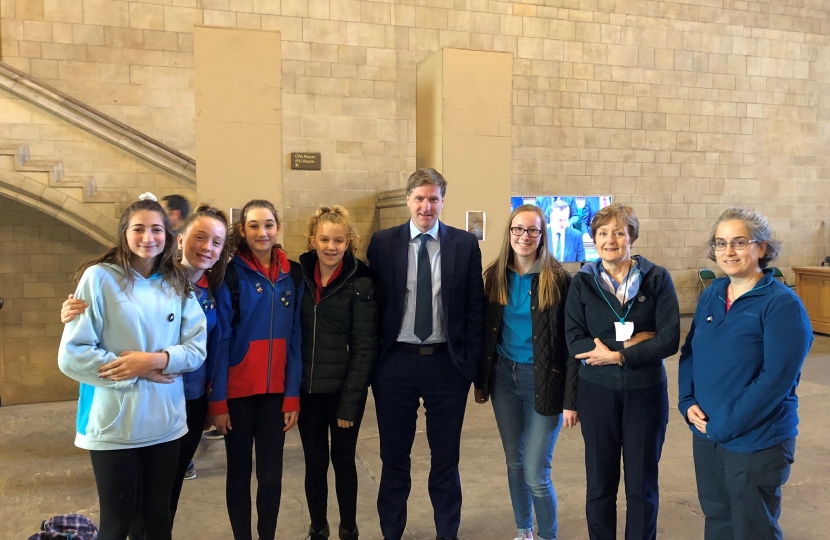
(621, 320)
(739, 370)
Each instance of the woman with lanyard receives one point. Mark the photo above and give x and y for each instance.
(621, 320)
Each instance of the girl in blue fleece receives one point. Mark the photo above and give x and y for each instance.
(142, 328)
(204, 257)
(739, 370)
(255, 397)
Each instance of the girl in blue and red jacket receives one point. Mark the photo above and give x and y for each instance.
(255, 397)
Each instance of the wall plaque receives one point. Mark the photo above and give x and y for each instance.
(307, 161)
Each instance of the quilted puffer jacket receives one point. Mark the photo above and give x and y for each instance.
(555, 385)
(340, 342)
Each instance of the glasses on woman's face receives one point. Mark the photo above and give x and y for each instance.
(531, 233)
(737, 244)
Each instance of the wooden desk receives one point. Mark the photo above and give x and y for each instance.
(812, 284)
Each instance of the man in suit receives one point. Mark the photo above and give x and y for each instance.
(565, 241)
(431, 335)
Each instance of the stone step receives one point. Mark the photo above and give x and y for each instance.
(90, 194)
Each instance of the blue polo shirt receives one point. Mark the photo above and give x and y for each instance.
(516, 336)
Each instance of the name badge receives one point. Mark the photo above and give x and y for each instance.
(624, 330)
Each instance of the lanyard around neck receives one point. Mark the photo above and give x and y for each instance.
(625, 281)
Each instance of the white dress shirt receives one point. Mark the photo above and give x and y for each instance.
(407, 333)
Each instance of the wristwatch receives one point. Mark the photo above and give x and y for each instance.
(621, 363)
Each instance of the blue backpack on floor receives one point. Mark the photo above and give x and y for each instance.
(67, 527)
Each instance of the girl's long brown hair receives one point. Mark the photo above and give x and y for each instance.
(216, 273)
(236, 239)
(551, 276)
(120, 255)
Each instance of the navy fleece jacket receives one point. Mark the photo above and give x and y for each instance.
(742, 366)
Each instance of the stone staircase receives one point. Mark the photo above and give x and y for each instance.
(80, 201)
(51, 173)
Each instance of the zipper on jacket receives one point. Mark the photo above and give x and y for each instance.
(314, 332)
(313, 350)
(271, 340)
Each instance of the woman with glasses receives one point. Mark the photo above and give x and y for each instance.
(739, 370)
(621, 320)
(524, 366)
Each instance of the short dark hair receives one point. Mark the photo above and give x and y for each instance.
(559, 204)
(177, 202)
(424, 177)
(622, 214)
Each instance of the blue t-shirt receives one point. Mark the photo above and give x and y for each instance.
(516, 336)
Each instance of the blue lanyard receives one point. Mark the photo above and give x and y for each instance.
(602, 293)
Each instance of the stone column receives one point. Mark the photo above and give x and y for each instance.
(463, 111)
(238, 116)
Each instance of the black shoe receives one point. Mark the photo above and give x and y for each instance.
(323, 534)
(346, 534)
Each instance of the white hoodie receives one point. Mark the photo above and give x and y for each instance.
(149, 317)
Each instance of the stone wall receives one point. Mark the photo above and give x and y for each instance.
(679, 108)
(38, 255)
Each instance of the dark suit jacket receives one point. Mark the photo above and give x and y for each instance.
(462, 291)
(574, 247)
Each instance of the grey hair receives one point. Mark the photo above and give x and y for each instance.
(759, 230)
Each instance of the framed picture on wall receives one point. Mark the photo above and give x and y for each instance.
(476, 223)
(235, 212)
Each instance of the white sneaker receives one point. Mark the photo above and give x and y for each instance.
(524, 536)
(212, 434)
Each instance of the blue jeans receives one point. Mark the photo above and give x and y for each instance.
(528, 439)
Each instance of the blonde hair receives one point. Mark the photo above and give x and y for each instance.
(551, 276)
(336, 215)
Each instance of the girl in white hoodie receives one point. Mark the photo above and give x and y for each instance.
(143, 327)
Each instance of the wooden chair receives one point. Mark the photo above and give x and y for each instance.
(777, 274)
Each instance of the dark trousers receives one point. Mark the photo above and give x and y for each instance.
(632, 422)
(256, 421)
(401, 380)
(740, 494)
(196, 414)
(117, 475)
(318, 419)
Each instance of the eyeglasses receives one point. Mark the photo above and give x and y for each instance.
(518, 231)
(737, 244)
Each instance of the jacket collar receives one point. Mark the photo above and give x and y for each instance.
(763, 287)
(308, 261)
(535, 269)
(594, 268)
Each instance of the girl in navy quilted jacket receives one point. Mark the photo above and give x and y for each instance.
(524, 365)
(255, 398)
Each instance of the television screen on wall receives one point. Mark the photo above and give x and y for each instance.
(569, 223)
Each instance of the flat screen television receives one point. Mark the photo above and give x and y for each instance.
(569, 223)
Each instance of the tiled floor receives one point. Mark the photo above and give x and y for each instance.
(42, 473)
